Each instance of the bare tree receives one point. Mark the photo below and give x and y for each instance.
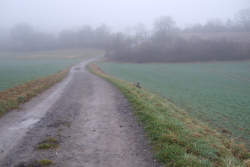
(214, 25)
(102, 34)
(164, 24)
(4, 37)
(140, 28)
(243, 18)
(165, 29)
(128, 31)
(86, 35)
(21, 36)
(140, 33)
(230, 24)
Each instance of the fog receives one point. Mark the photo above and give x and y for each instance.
(131, 31)
(55, 15)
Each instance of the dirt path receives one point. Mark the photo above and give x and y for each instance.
(91, 119)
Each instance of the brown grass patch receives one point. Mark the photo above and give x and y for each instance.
(12, 98)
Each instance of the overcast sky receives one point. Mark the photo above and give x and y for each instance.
(117, 14)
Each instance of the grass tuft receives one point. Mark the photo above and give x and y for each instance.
(51, 139)
(177, 138)
(50, 143)
(36, 163)
(45, 162)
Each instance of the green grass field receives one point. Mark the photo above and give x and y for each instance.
(17, 68)
(218, 93)
(16, 72)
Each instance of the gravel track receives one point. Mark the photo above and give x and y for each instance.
(91, 119)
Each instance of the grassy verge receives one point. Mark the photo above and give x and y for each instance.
(177, 138)
(12, 98)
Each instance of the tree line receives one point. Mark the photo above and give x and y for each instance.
(165, 43)
(241, 23)
(23, 37)
(170, 44)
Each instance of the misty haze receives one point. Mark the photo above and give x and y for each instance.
(180, 75)
(161, 31)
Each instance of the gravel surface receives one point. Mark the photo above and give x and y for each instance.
(91, 120)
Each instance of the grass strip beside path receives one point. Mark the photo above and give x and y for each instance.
(12, 98)
(177, 138)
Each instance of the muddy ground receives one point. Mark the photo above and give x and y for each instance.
(91, 120)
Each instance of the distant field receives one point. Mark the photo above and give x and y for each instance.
(17, 67)
(218, 93)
